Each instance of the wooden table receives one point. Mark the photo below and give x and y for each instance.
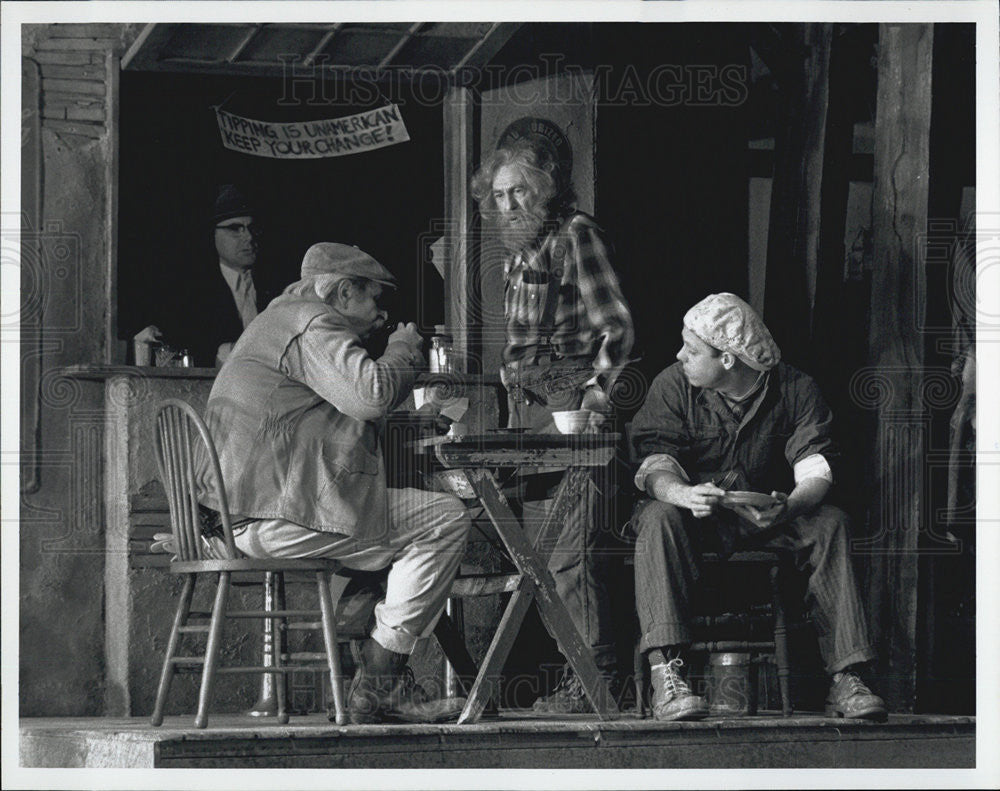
(478, 455)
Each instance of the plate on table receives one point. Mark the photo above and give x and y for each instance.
(755, 499)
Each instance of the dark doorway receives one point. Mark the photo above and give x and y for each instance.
(385, 201)
(672, 174)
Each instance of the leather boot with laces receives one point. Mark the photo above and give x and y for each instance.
(672, 697)
(384, 690)
(569, 698)
(850, 697)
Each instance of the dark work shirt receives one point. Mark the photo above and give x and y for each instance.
(787, 422)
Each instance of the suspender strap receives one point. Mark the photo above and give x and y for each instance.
(547, 326)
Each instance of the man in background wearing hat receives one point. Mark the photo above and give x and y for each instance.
(568, 335)
(293, 413)
(729, 404)
(223, 298)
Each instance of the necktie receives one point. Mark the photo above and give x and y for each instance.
(246, 297)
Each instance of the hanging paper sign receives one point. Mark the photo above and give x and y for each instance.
(335, 137)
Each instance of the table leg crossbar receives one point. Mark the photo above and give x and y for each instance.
(537, 585)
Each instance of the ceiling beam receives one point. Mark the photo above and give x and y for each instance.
(489, 45)
(414, 29)
(243, 43)
(144, 52)
(147, 52)
(323, 43)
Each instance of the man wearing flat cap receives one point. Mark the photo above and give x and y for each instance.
(294, 414)
(222, 296)
(729, 405)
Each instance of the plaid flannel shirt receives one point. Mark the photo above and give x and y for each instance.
(591, 317)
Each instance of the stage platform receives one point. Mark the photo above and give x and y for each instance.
(515, 740)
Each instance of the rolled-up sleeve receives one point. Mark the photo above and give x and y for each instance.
(813, 433)
(332, 361)
(658, 462)
(815, 466)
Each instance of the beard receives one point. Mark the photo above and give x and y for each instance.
(517, 229)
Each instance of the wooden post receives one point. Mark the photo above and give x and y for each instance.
(896, 351)
(31, 273)
(114, 349)
(793, 235)
(832, 353)
(459, 157)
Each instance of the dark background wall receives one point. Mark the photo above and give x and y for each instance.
(673, 176)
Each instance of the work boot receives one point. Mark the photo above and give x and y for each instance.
(672, 697)
(569, 698)
(383, 690)
(849, 697)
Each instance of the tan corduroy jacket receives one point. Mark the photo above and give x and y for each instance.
(293, 414)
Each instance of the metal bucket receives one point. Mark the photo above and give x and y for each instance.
(732, 685)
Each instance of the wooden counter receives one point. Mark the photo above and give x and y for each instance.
(138, 599)
(101, 373)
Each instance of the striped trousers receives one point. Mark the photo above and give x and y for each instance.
(667, 567)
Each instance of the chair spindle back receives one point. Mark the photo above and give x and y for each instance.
(179, 428)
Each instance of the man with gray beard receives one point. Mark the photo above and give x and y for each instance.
(568, 335)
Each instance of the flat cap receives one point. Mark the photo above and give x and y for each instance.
(729, 324)
(333, 258)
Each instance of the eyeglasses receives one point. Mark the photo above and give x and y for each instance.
(237, 228)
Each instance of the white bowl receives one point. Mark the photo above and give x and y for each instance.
(574, 421)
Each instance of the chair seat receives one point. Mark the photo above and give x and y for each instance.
(254, 564)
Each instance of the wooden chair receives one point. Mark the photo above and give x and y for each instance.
(778, 645)
(736, 623)
(180, 434)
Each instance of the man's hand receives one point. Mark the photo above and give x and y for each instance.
(767, 517)
(150, 334)
(597, 401)
(508, 379)
(222, 353)
(703, 499)
(407, 333)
